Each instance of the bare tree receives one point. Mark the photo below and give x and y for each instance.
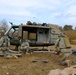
(3, 25)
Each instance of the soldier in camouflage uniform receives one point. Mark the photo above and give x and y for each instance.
(4, 43)
(4, 46)
(64, 47)
(24, 46)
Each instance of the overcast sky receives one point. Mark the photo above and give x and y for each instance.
(59, 12)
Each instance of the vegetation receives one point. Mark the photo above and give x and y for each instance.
(71, 34)
(67, 27)
(3, 25)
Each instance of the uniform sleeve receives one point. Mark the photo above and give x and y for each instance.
(8, 42)
(57, 42)
(1, 41)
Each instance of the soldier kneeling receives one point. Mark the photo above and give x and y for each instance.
(64, 49)
(24, 46)
(64, 58)
(4, 45)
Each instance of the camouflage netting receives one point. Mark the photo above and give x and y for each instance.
(67, 71)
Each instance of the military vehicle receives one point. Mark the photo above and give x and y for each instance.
(37, 34)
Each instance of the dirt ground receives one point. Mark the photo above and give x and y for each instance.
(24, 65)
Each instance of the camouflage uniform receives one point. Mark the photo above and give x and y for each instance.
(24, 46)
(65, 54)
(65, 50)
(4, 43)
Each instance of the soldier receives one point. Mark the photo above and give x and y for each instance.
(64, 49)
(24, 46)
(60, 44)
(4, 45)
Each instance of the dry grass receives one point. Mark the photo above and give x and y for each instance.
(71, 34)
(73, 47)
(73, 42)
